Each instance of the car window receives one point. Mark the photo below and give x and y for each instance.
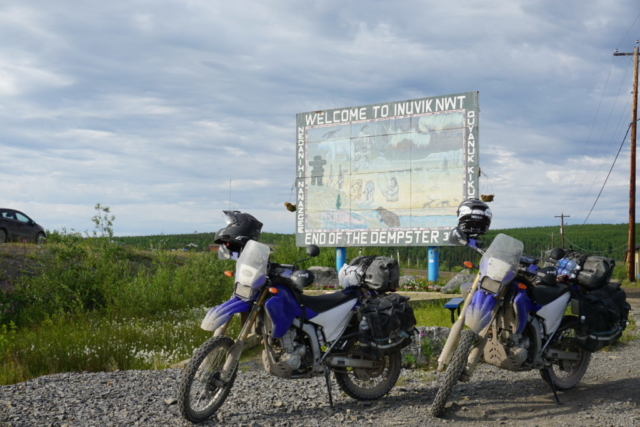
(9, 215)
(21, 217)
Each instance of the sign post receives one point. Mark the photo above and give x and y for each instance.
(341, 257)
(433, 263)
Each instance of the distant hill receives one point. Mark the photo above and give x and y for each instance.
(598, 239)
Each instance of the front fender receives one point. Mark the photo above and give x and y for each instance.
(480, 310)
(220, 314)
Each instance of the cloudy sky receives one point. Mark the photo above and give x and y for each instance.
(169, 112)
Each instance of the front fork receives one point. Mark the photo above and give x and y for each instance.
(236, 350)
(456, 329)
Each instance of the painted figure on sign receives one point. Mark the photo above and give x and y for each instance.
(356, 190)
(318, 170)
(388, 218)
(369, 189)
(393, 190)
(362, 149)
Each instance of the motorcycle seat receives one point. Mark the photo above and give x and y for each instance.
(322, 303)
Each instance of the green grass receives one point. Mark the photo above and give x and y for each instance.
(94, 306)
(97, 342)
(432, 313)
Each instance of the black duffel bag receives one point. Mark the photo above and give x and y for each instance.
(603, 314)
(386, 323)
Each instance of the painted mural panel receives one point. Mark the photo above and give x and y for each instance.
(386, 174)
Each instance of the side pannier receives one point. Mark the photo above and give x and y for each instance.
(603, 315)
(378, 273)
(386, 324)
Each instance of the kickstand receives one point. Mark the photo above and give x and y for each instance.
(328, 379)
(547, 374)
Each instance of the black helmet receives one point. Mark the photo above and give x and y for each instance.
(474, 217)
(241, 228)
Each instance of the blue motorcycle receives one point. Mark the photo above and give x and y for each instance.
(515, 317)
(303, 336)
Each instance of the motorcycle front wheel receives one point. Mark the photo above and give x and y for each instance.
(454, 372)
(369, 383)
(566, 374)
(202, 390)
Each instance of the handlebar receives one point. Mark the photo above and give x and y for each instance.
(475, 245)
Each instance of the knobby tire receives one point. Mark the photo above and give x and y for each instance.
(567, 374)
(201, 384)
(369, 383)
(454, 372)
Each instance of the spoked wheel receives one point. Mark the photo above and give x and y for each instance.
(454, 372)
(202, 390)
(369, 383)
(566, 374)
(40, 239)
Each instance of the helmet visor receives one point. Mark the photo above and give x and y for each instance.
(230, 217)
(223, 252)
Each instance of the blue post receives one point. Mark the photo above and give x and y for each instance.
(341, 258)
(433, 263)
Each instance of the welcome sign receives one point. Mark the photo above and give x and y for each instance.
(390, 174)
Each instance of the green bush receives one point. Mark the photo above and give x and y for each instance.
(80, 275)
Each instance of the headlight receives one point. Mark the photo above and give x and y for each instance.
(243, 291)
(491, 285)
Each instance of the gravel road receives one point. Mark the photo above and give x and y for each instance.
(609, 395)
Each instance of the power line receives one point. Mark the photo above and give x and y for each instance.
(596, 252)
(606, 125)
(629, 30)
(605, 181)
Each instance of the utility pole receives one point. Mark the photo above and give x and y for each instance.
(631, 273)
(562, 217)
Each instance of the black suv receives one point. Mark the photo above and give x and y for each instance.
(14, 225)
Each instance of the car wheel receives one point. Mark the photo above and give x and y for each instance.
(3, 235)
(40, 238)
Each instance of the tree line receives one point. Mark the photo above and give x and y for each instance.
(608, 240)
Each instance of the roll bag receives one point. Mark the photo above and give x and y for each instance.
(603, 315)
(378, 273)
(589, 271)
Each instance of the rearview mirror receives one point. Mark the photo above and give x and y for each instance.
(313, 251)
(458, 237)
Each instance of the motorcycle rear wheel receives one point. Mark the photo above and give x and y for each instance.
(454, 372)
(369, 383)
(202, 391)
(566, 374)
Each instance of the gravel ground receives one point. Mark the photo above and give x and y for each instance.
(609, 395)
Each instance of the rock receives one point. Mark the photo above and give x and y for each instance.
(404, 280)
(325, 276)
(453, 285)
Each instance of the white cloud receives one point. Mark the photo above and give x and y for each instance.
(153, 109)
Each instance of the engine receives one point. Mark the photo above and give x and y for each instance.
(505, 348)
(286, 357)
